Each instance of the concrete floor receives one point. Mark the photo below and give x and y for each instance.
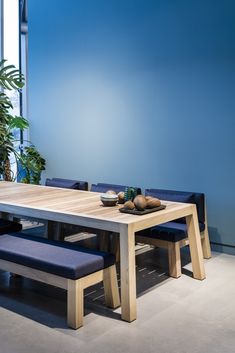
(180, 316)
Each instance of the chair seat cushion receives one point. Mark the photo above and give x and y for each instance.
(170, 231)
(9, 226)
(59, 258)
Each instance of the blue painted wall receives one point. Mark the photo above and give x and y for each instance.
(138, 92)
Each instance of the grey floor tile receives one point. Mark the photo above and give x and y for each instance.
(180, 316)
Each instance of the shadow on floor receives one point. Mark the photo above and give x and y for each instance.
(47, 304)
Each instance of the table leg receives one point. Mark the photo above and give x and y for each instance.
(128, 276)
(103, 240)
(195, 245)
(54, 230)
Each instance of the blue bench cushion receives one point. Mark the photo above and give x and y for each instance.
(67, 184)
(59, 258)
(102, 187)
(8, 226)
(170, 231)
(181, 196)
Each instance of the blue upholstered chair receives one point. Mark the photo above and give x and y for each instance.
(173, 235)
(59, 229)
(67, 183)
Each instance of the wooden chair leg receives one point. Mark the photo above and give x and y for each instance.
(75, 304)
(111, 292)
(206, 247)
(174, 259)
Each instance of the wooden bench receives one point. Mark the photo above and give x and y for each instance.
(62, 265)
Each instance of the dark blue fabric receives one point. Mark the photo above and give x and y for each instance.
(8, 226)
(102, 187)
(83, 185)
(67, 184)
(59, 258)
(181, 196)
(170, 231)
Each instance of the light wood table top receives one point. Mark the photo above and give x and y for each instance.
(83, 205)
(84, 208)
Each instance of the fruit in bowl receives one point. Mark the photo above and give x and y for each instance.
(152, 202)
(140, 202)
(129, 205)
(111, 192)
(121, 197)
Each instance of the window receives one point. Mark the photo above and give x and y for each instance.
(14, 50)
(11, 42)
(24, 53)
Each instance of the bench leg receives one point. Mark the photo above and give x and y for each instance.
(111, 292)
(75, 305)
(174, 259)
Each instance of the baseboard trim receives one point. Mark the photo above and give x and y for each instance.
(223, 248)
(221, 244)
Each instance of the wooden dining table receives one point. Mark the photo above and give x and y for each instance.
(85, 209)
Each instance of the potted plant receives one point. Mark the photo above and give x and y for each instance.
(26, 156)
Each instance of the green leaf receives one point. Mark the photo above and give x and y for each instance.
(18, 122)
(10, 77)
(5, 101)
(30, 159)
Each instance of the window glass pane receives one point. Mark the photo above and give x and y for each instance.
(1, 28)
(11, 54)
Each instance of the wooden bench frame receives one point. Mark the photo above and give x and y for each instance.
(75, 288)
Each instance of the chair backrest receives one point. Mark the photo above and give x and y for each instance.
(67, 183)
(102, 187)
(181, 196)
